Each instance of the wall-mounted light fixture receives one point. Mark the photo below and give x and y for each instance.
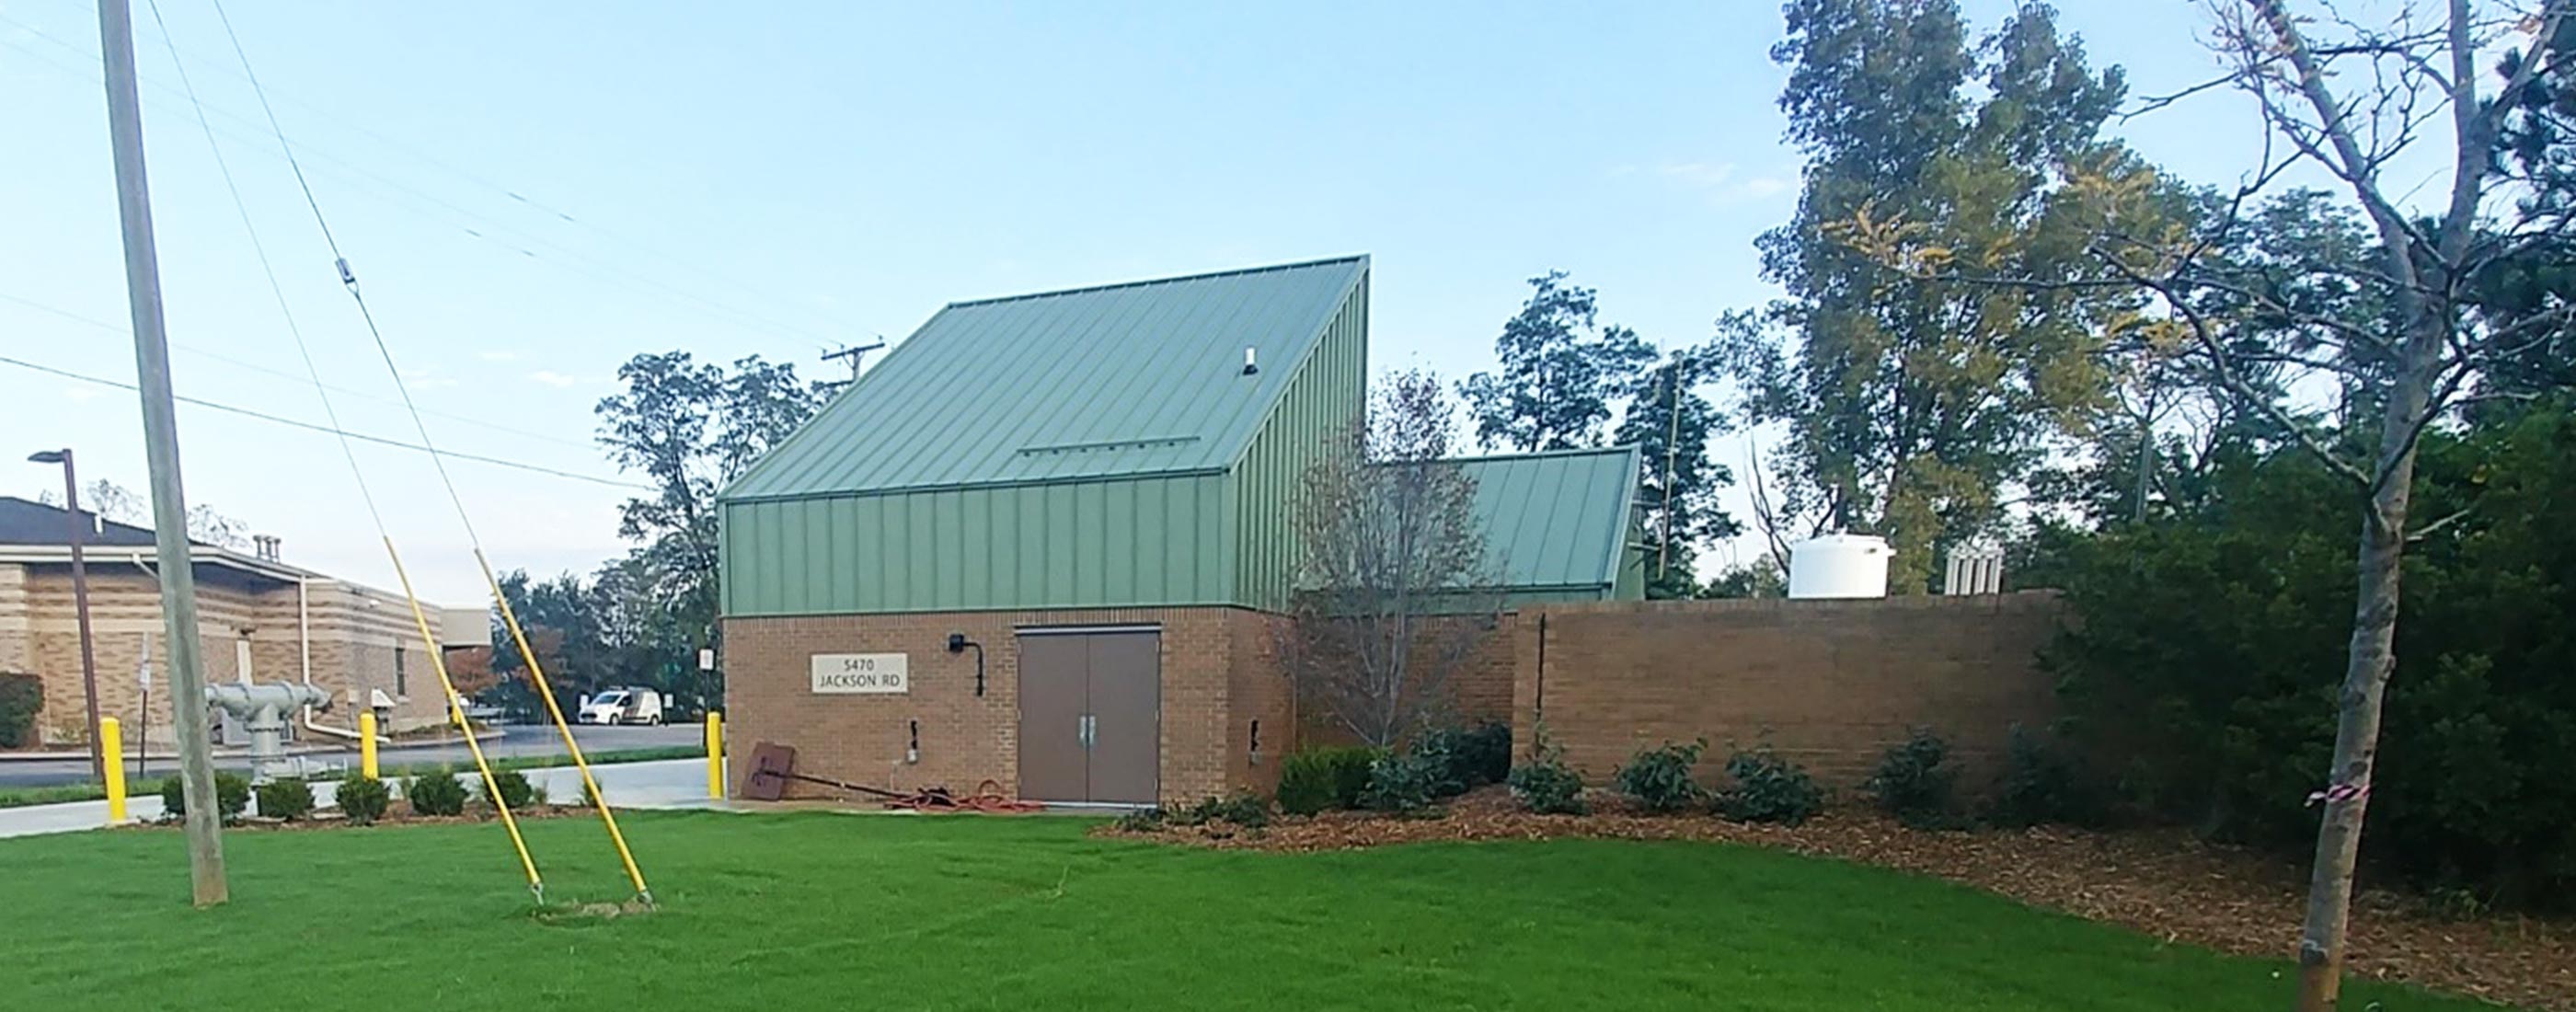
(957, 644)
(912, 750)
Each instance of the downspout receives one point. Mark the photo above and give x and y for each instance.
(304, 650)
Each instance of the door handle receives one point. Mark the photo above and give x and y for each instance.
(1085, 730)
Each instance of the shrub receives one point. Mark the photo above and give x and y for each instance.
(285, 799)
(436, 792)
(1659, 779)
(1470, 757)
(1769, 789)
(1320, 778)
(232, 794)
(1911, 785)
(1403, 784)
(1246, 809)
(2202, 663)
(1142, 820)
(513, 786)
(2042, 784)
(1547, 786)
(21, 695)
(363, 798)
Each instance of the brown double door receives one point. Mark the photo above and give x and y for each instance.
(1091, 715)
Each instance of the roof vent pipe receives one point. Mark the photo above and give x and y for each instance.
(1251, 363)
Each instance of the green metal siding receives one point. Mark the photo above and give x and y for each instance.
(1128, 542)
(1129, 379)
(1561, 518)
(1326, 395)
(1632, 575)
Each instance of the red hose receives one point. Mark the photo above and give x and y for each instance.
(988, 799)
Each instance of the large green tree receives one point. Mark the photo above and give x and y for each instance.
(563, 619)
(1565, 375)
(1911, 408)
(1561, 371)
(689, 427)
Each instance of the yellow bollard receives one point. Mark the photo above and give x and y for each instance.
(367, 744)
(111, 745)
(715, 755)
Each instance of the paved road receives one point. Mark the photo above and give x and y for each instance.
(675, 783)
(518, 740)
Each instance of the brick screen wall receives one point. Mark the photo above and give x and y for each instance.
(1479, 686)
(1830, 684)
(1217, 677)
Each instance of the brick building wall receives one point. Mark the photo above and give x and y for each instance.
(1483, 681)
(1216, 679)
(1829, 684)
(1478, 686)
(1258, 691)
(16, 637)
(353, 644)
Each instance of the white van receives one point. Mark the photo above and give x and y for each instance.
(621, 706)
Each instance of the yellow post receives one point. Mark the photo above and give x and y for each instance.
(715, 755)
(111, 746)
(367, 743)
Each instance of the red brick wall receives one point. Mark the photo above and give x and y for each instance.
(1483, 682)
(1830, 684)
(1210, 657)
(1480, 687)
(1259, 690)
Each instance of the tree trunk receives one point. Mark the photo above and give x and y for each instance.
(2367, 667)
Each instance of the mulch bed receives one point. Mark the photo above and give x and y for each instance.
(2169, 885)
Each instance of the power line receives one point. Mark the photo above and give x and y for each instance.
(283, 374)
(514, 194)
(328, 430)
(349, 281)
(479, 226)
(268, 269)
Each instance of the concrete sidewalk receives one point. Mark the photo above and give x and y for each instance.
(516, 740)
(673, 783)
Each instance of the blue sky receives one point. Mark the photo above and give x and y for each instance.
(530, 194)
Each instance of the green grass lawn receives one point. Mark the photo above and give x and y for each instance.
(825, 911)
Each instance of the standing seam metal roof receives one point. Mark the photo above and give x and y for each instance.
(1137, 378)
(1559, 518)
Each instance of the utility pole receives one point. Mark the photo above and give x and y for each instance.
(161, 451)
(80, 607)
(853, 355)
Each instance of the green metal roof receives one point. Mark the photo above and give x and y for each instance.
(1557, 519)
(1138, 378)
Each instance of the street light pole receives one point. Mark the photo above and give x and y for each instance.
(161, 452)
(80, 606)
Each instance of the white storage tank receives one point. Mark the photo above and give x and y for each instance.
(1838, 565)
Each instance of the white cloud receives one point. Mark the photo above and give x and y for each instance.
(426, 379)
(498, 356)
(81, 395)
(1722, 183)
(554, 379)
(1703, 175)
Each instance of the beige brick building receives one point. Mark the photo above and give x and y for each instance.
(256, 615)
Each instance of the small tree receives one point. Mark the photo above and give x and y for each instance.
(1393, 590)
